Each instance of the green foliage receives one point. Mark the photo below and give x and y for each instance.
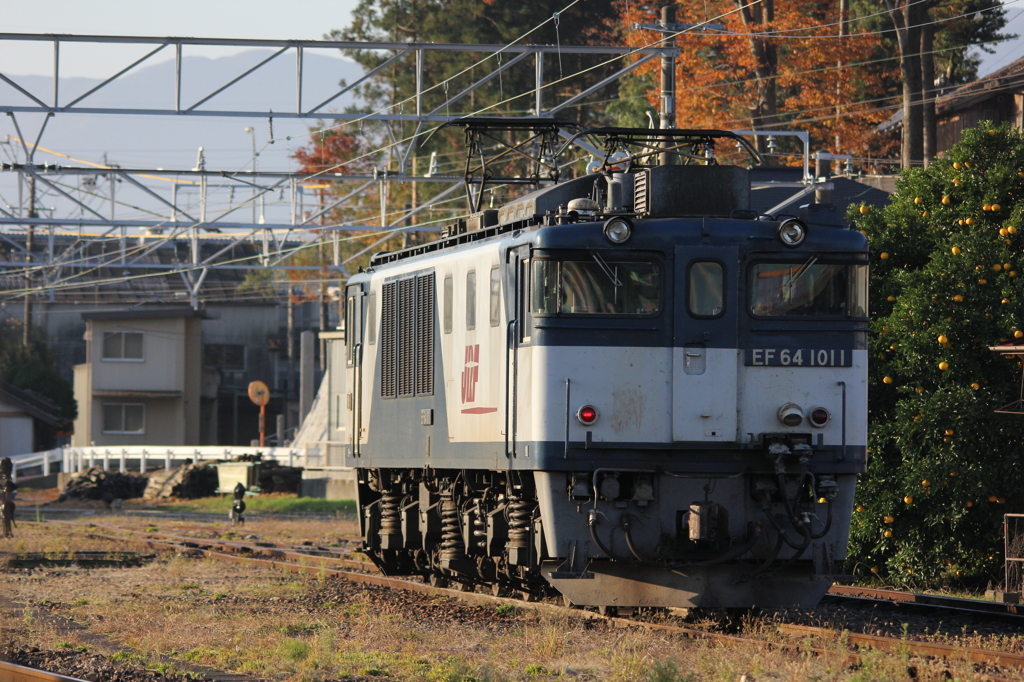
(947, 283)
(275, 503)
(34, 367)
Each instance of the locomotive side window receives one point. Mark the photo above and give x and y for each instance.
(706, 289)
(544, 287)
(471, 300)
(449, 295)
(371, 330)
(808, 289)
(595, 287)
(495, 296)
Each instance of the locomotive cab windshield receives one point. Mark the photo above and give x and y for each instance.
(815, 287)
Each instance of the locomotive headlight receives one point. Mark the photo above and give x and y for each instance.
(792, 232)
(586, 415)
(618, 230)
(791, 414)
(819, 416)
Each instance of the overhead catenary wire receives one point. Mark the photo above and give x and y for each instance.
(397, 142)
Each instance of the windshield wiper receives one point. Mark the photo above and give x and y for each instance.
(607, 269)
(800, 272)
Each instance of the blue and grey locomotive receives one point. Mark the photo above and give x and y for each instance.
(626, 387)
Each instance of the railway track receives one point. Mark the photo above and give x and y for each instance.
(339, 562)
(1007, 612)
(11, 672)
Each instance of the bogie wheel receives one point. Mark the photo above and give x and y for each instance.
(526, 595)
(499, 590)
(608, 611)
(438, 580)
(465, 587)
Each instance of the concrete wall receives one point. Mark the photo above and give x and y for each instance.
(83, 430)
(192, 380)
(15, 431)
(163, 348)
(164, 423)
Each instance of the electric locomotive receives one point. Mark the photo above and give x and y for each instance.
(626, 387)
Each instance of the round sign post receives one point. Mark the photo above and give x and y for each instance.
(260, 395)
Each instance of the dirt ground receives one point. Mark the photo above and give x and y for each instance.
(240, 622)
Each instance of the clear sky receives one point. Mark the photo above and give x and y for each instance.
(269, 19)
(264, 19)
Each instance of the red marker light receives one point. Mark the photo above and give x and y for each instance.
(819, 417)
(587, 415)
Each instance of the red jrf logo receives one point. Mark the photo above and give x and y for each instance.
(470, 373)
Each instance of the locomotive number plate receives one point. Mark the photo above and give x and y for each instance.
(798, 357)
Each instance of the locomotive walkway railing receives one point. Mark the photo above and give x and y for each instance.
(144, 457)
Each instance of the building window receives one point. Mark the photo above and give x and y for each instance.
(495, 296)
(122, 346)
(227, 357)
(471, 299)
(124, 418)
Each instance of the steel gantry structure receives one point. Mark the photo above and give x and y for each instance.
(170, 218)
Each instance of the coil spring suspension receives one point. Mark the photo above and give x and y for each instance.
(390, 514)
(520, 513)
(479, 528)
(452, 547)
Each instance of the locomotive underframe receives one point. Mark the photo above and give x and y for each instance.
(623, 538)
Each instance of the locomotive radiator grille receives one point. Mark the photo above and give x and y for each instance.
(406, 336)
(425, 334)
(640, 192)
(388, 387)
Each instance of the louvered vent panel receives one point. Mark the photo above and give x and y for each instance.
(406, 336)
(425, 334)
(640, 181)
(387, 341)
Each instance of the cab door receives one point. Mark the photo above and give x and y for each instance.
(355, 321)
(705, 357)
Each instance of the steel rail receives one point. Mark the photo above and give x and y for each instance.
(975, 606)
(945, 651)
(12, 672)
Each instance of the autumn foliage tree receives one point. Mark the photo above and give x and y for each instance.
(947, 283)
(777, 64)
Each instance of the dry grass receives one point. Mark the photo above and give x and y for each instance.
(249, 619)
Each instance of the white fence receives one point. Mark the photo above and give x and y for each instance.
(145, 457)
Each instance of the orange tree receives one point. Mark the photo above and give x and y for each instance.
(947, 283)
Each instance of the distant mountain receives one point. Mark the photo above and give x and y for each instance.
(172, 141)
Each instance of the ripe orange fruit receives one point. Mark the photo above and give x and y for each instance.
(1011, 229)
(943, 339)
(887, 533)
(958, 298)
(884, 255)
(887, 380)
(969, 221)
(908, 499)
(918, 200)
(943, 365)
(975, 385)
(945, 200)
(956, 165)
(996, 207)
(982, 281)
(888, 519)
(863, 209)
(955, 250)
